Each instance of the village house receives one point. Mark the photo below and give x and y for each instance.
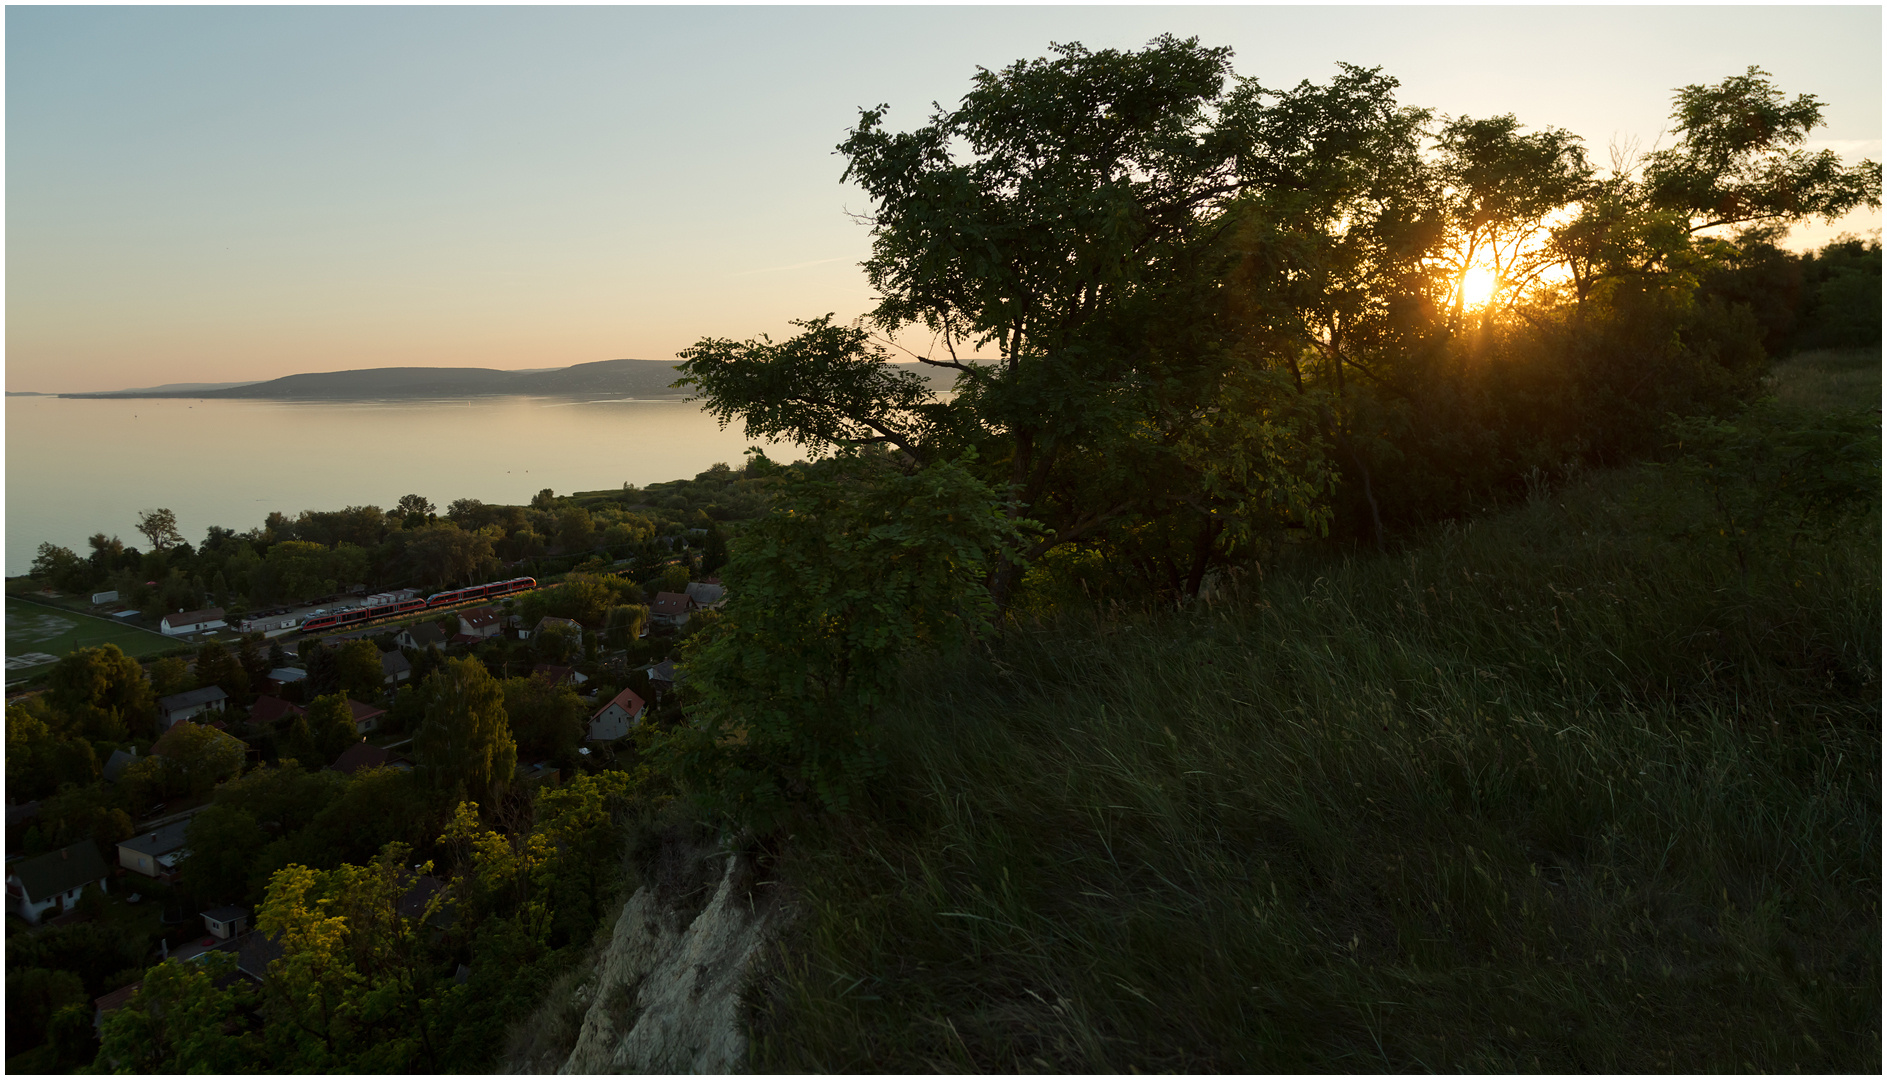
(574, 627)
(366, 717)
(270, 710)
(614, 719)
(157, 853)
(191, 622)
(226, 922)
(420, 636)
(119, 761)
(707, 595)
(54, 880)
(397, 667)
(480, 622)
(559, 675)
(671, 610)
(191, 703)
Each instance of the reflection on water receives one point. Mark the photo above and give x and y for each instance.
(80, 466)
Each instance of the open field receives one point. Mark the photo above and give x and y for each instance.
(38, 634)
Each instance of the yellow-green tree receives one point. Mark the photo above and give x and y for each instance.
(354, 990)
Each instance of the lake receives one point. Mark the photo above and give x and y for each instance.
(77, 466)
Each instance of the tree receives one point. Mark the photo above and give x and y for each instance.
(196, 757)
(331, 725)
(414, 506)
(160, 528)
(464, 744)
(575, 531)
(547, 720)
(216, 667)
(223, 842)
(1066, 213)
(1737, 159)
(858, 566)
(625, 624)
(170, 675)
(556, 644)
(350, 992)
(63, 568)
(43, 754)
(184, 1018)
(253, 660)
(443, 554)
(357, 669)
(105, 693)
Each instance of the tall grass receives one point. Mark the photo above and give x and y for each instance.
(1562, 790)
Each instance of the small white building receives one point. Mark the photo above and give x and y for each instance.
(190, 703)
(109, 597)
(191, 622)
(54, 880)
(614, 720)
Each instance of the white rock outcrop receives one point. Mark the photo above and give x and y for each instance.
(667, 997)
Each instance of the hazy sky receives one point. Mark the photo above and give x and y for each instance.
(214, 194)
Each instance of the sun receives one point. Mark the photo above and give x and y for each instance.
(1477, 286)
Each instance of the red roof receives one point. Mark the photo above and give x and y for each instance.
(361, 755)
(117, 999)
(363, 712)
(671, 603)
(630, 701)
(554, 674)
(479, 617)
(267, 710)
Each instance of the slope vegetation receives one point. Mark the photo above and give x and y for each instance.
(1587, 785)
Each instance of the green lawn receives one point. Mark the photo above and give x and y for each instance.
(35, 630)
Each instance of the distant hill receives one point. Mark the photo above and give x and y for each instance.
(604, 378)
(644, 379)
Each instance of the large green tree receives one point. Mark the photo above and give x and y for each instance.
(859, 565)
(464, 743)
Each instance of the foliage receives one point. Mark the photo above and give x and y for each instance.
(464, 744)
(349, 992)
(1560, 790)
(330, 724)
(182, 1021)
(858, 566)
(196, 757)
(547, 721)
(357, 670)
(160, 528)
(43, 753)
(216, 667)
(105, 693)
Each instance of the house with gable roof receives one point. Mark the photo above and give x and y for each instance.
(191, 622)
(671, 610)
(480, 622)
(54, 880)
(616, 717)
(191, 703)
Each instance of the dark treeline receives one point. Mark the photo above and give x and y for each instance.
(323, 552)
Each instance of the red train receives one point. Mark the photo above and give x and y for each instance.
(402, 607)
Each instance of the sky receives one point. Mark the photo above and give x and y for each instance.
(216, 194)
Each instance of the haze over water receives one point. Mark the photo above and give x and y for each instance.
(80, 466)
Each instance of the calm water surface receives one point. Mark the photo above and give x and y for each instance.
(77, 466)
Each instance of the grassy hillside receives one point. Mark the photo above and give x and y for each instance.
(1587, 785)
